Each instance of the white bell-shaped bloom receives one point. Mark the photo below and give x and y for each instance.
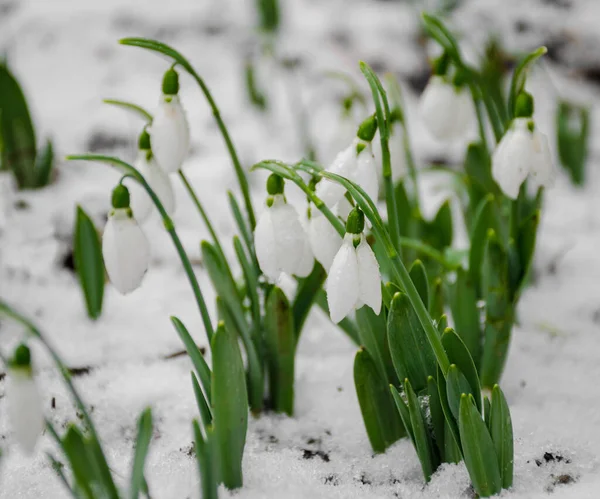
(159, 182)
(360, 168)
(522, 151)
(353, 280)
(170, 134)
(324, 239)
(446, 110)
(24, 407)
(126, 250)
(280, 241)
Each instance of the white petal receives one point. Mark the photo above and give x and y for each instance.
(344, 164)
(512, 158)
(159, 182)
(264, 243)
(24, 409)
(324, 239)
(365, 173)
(307, 261)
(342, 208)
(369, 277)
(170, 134)
(343, 282)
(290, 238)
(542, 169)
(445, 110)
(125, 250)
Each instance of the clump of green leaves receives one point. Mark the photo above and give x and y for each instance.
(573, 129)
(18, 147)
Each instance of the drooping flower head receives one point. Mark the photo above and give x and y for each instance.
(523, 152)
(157, 179)
(446, 106)
(125, 249)
(280, 240)
(24, 405)
(169, 130)
(354, 279)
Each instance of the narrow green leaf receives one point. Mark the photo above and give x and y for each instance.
(452, 450)
(403, 411)
(437, 298)
(43, 165)
(418, 274)
(140, 111)
(87, 254)
(527, 238)
(203, 407)
(423, 444)
(500, 426)
(206, 464)
(251, 280)
(142, 444)
(441, 230)
(409, 347)
(74, 446)
(379, 415)
(459, 355)
(442, 324)
(372, 332)
(245, 232)
(438, 420)
(280, 349)
(305, 296)
(230, 405)
(466, 315)
(451, 430)
(456, 385)
(486, 218)
(196, 356)
(487, 409)
(478, 449)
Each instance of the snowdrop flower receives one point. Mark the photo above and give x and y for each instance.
(125, 248)
(354, 278)
(169, 130)
(522, 152)
(157, 179)
(279, 238)
(356, 163)
(446, 109)
(24, 405)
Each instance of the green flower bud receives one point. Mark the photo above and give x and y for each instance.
(366, 130)
(275, 184)
(440, 65)
(524, 105)
(170, 84)
(396, 116)
(356, 221)
(21, 357)
(144, 141)
(120, 197)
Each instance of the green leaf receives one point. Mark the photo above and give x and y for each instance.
(280, 350)
(423, 444)
(87, 255)
(403, 411)
(372, 333)
(438, 420)
(306, 295)
(478, 449)
(140, 111)
(526, 241)
(251, 280)
(486, 218)
(572, 126)
(255, 95)
(466, 314)
(440, 233)
(75, 448)
(229, 404)
(203, 407)
(478, 167)
(43, 165)
(418, 274)
(17, 134)
(142, 445)
(436, 298)
(379, 415)
(409, 348)
(268, 15)
(500, 426)
(206, 462)
(456, 385)
(242, 226)
(196, 356)
(442, 324)
(451, 431)
(459, 355)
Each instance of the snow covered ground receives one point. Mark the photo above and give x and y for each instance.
(66, 56)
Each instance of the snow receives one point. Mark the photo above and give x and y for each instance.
(66, 56)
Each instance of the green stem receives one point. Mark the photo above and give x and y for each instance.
(184, 63)
(479, 114)
(129, 170)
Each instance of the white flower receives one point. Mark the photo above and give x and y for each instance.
(324, 239)
(126, 250)
(520, 153)
(170, 134)
(360, 169)
(24, 407)
(280, 241)
(446, 111)
(354, 279)
(159, 182)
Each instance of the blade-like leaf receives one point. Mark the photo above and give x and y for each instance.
(500, 426)
(206, 462)
(456, 385)
(43, 165)
(418, 274)
(372, 332)
(87, 255)
(142, 444)
(203, 407)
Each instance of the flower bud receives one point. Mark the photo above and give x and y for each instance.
(275, 184)
(366, 130)
(524, 105)
(170, 83)
(120, 197)
(356, 221)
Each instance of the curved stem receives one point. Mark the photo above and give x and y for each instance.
(183, 62)
(127, 169)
